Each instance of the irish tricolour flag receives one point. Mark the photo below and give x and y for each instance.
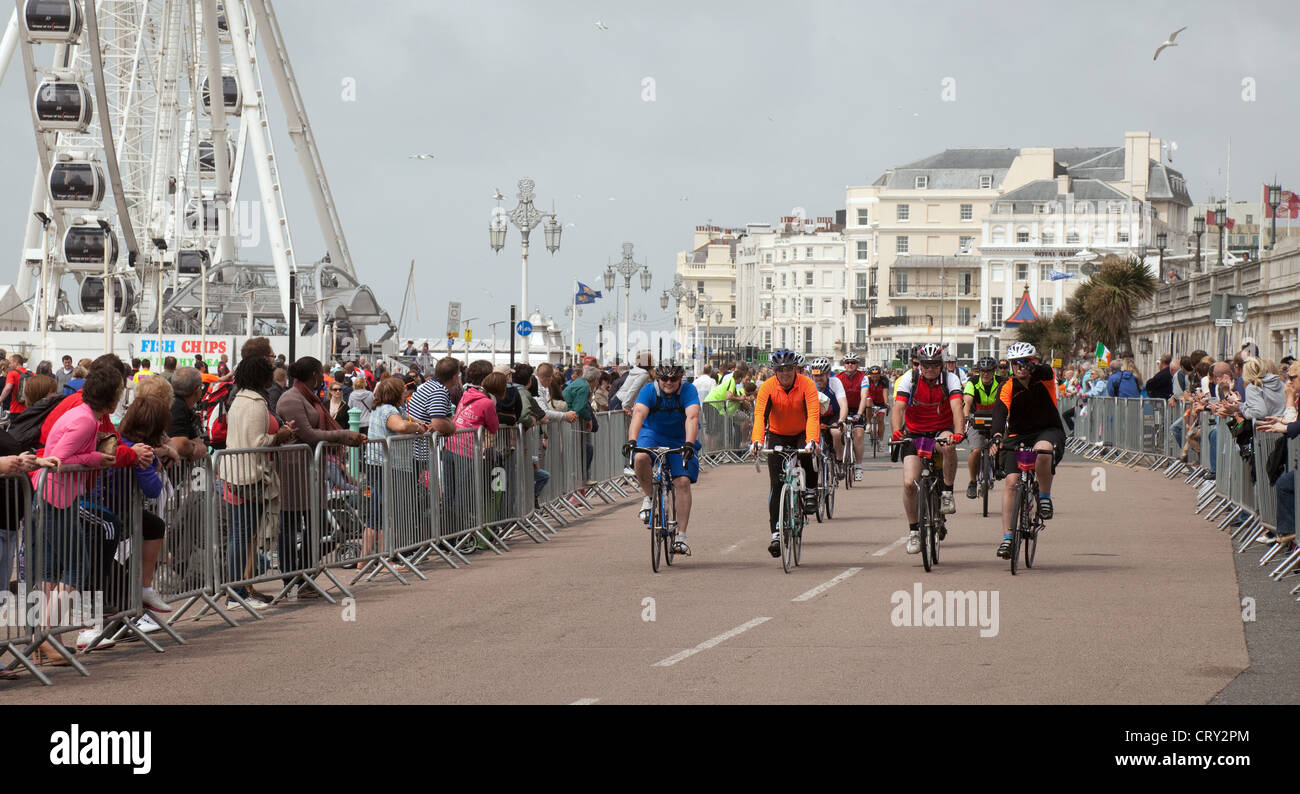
(1103, 354)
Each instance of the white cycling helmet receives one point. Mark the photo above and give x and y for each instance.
(930, 352)
(1021, 350)
(820, 364)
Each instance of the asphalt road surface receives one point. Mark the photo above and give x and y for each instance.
(1130, 601)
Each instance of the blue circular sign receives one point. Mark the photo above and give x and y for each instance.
(523, 328)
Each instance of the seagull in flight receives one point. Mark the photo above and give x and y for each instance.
(601, 25)
(498, 195)
(421, 157)
(1170, 43)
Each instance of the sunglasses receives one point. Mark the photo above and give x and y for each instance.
(784, 368)
(930, 364)
(1022, 364)
(673, 379)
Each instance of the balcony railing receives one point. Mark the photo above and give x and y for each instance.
(919, 291)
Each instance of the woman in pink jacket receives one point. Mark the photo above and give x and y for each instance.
(62, 546)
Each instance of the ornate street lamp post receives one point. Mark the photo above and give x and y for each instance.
(628, 268)
(1198, 228)
(525, 217)
(1220, 220)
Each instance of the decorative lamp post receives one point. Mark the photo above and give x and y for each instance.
(1220, 220)
(1161, 239)
(627, 267)
(1198, 228)
(678, 292)
(1274, 199)
(525, 217)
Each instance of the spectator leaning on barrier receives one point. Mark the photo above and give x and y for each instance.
(1161, 385)
(637, 377)
(185, 432)
(11, 397)
(1265, 395)
(431, 404)
(64, 372)
(301, 407)
(386, 420)
(1122, 382)
(705, 383)
(363, 399)
(337, 405)
(578, 395)
(146, 423)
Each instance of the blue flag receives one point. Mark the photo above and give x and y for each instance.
(1056, 275)
(585, 294)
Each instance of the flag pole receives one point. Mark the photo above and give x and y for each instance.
(573, 320)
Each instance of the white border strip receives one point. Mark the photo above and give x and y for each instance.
(584, 701)
(824, 586)
(890, 547)
(707, 644)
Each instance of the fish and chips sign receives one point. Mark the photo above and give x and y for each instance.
(186, 349)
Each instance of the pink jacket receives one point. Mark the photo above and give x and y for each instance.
(72, 441)
(476, 410)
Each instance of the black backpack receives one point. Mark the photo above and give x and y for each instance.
(19, 397)
(26, 426)
(509, 407)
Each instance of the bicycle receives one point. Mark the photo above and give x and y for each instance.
(987, 464)
(791, 519)
(826, 484)
(662, 521)
(873, 437)
(848, 460)
(1025, 523)
(931, 522)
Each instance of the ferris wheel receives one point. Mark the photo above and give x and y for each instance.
(144, 112)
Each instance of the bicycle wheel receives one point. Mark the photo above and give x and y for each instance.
(1022, 511)
(986, 477)
(940, 521)
(670, 519)
(796, 536)
(830, 500)
(1031, 539)
(847, 461)
(923, 522)
(784, 522)
(656, 516)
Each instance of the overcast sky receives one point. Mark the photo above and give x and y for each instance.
(758, 107)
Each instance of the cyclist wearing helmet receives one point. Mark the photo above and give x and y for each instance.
(979, 395)
(1026, 412)
(787, 411)
(1003, 370)
(667, 414)
(877, 389)
(928, 405)
(836, 407)
(859, 406)
(950, 364)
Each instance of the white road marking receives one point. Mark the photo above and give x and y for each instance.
(707, 644)
(731, 548)
(584, 701)
(890, 547)
(824, 586)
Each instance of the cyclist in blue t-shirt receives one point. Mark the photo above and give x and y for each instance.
(667, 414)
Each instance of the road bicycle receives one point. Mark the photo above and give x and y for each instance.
(985, 477)
(848, 459)
(1025, 522)
(662, 521)
(873, 437)
(830, 472)
(930, 520)
(791, 520)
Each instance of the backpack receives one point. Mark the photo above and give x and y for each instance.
(212, 408)
(19, 397)
(26, 426)
(943, 383)
(533, 413)
(510, 407)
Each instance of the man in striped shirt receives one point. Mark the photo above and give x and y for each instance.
(431, 403)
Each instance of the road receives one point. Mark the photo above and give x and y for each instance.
(1130, 601)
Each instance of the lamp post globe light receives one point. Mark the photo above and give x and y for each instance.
(678, 292)
(525, 217)
(627, 267)
(1161, 239)
(1274, 199)
(1198, 228)
(1220, 220)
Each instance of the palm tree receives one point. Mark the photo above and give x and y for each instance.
(1055, 333)
(1112, 296)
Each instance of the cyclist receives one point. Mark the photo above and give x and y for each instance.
(1003, 371)
(851, 379)
(1026, 411)
(835, 408)
(877, 403)
(667, 414)
(787, 410)
(928, 405)
(979, 395)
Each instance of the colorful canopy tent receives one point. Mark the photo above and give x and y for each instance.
(1024, 312)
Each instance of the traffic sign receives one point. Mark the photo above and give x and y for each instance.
(579, 347)
(1056, 362)
(469, 335)
(523, 328)
(1223, 322)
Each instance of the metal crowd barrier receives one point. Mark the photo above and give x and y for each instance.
(16, 634)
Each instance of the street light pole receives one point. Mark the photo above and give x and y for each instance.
(627, 267)
(525, 217)
(677, 293)
(1198, 228)
(1274, 199)
(1161, 239)
(1220, 220)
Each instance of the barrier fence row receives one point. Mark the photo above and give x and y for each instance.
(1228, 463)
(245, 528)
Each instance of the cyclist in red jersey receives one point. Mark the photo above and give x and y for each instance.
(928, 405)
(877, 398)
(852, 379)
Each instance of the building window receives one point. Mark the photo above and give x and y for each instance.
(860, 287)
(1022, 237)
(903, 212)
(995, 272)
(998, 235)
(860, 329)
(1072, 268)
(1045, 307)
(767, 310)
(1043, 267)
(784, 254)
(733, 311)
(995, 312)
(864, 217)
(1123, 237)
(1071, 238)
(965, 244)
(808, 279)
(922, 182)
(767, 339)
(767, 283)
(963, 315)
(967, 212)
(900, 281)
(767, 259)
(827, 309)
(783, 342)
(700, 287)
(807, 339)
(808, 306)
(964, 283)
(986, 182)
(807, 254)
(783, 307)
(900, 246)
(828, 279)
(900, 311)
(1049, 237)
(783, 281)
(1250, 219)
(1022, 271)
(864, 250)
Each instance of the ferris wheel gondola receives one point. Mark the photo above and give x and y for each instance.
(92, 295)
(57, 21)
(88, 244)
(232, 97)
(208, 157)
(76, 184)
(64, 105)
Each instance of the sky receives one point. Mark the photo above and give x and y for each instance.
(755, 108)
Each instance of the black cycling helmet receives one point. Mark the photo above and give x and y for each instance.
(668, 369)
(785, 357)
(986, 364)
(1004, 364)
(874, 371)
